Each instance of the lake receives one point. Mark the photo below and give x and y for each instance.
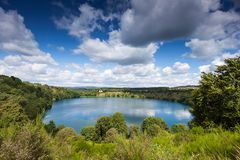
(80, 112)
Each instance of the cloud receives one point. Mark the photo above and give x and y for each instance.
(117, 6)
(219, 25)
(113, 50)
(211, 30)
(16, 38)
(137, 75)
(218, 33)
(177, 68)
(160, 20)
(209, 48)
(60, 48)
(82, 25)
(218, 61)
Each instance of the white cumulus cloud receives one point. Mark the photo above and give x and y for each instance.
(177, 68)
(83, 24)
(113, 50)
(16, 38)
(217, 61)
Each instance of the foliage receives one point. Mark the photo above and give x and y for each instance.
(176, 128)
(29, 143)
(153, 130)
(51, 128)
(111, 135)
(89, 133)
(151, 121)
(23, 136)
(23, 101)
(217, 101)
(66, 134)
(137, 148)
(119, 123)
(102, 126)
(134, 131)
(104, 123)
(177, 94)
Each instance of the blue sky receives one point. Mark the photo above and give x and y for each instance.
(117, 43)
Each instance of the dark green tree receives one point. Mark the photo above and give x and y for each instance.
(119, 123)
(217, 100)
(150, 121)
(153, 130)
(51, 128)
(89, 133)
(102, 126)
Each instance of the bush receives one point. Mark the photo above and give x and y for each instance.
(182, 137)
(153, 130)
(176, 128)
(27, 144)
(150, 121)
(197, 130)
(66, 135)
(119, 123)
(102, 126)
(111, 135)
(137, 148)
(134, 131)
(51, 128)
(89, 133)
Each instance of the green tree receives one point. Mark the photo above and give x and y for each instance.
(102, 126)
(153, 130)
(119, 123)
(217, 100)
(150, 121)
(89, 133)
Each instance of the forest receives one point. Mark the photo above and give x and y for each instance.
(178, 94)
(214, 132)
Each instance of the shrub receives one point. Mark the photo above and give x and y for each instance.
(89, 133)
(119, 123)
(134, 131)
(182, 137)
(27, 144)
(150, 121)
(66, 134)
(51, 128)
(102, 126)
(153, 130)
(197, 130)
(111, 135)
(137, 148)
(176, 128)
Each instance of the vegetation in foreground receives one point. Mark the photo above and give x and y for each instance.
(214, 132)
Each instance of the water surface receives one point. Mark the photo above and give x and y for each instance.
(80, 112)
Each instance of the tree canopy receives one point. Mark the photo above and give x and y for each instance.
(217, 100)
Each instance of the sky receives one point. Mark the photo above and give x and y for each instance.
(117, 43)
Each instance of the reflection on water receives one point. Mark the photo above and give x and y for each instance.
(77, 113)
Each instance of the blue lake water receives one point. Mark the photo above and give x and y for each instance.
(80, 112)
